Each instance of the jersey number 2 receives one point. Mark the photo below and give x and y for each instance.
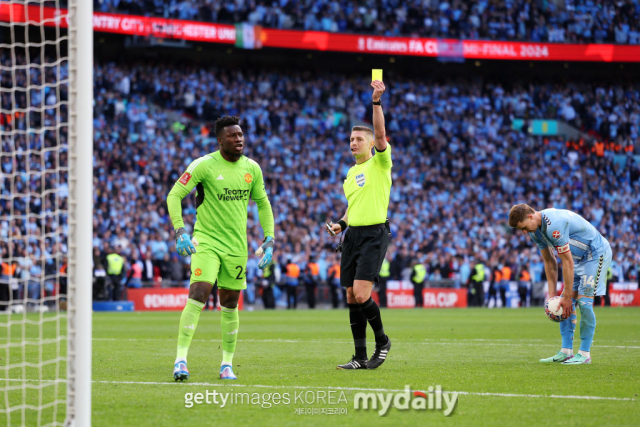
(239, 276)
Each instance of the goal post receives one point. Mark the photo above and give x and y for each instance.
(46, 212)
(80, 275)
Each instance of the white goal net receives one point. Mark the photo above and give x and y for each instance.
(45, 212)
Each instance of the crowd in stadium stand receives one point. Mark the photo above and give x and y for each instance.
(33, 177)
(458, 166)
(575, 21)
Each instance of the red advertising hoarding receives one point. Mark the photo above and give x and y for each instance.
(400, 298)
(333, 42)
(162, 299)
(427, 47)
(444, 298)
(624, 298)
(431, 297)
(124, 24)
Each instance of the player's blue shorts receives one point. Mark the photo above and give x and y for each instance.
(590, 277)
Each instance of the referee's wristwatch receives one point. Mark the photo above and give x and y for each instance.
(377, 103)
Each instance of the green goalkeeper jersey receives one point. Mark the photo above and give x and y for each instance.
(223, 190)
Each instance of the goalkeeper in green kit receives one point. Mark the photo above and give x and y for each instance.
(225, 181)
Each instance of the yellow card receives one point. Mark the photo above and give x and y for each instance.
(376, 75)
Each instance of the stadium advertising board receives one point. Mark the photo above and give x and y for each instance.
(400, 298)
(624, 298)
(400, 295)
(126, 24)
(444, 298)
(333, 42)
(428, 47)
(162, 299)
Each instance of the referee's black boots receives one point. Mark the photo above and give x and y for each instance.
(380, 355)
(354, 364)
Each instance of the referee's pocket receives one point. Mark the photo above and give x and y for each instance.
(377, 240)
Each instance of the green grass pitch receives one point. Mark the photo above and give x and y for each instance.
(489, 356)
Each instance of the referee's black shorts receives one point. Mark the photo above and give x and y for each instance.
(363, 252)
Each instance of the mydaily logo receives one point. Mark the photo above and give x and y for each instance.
(433, 399)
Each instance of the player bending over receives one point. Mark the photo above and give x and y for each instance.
(585, 256)
(225, 180)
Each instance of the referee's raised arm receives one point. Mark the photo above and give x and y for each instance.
(378, 116)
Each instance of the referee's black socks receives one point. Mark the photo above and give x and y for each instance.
(359, 330)
(372, 312)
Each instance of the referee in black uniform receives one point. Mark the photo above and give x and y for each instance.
(367, 188)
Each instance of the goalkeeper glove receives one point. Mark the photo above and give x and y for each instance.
(267, 251)
(183, 243)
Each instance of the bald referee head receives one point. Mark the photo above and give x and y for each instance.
(367, 188)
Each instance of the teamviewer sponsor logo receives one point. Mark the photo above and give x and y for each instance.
(433, 399)
(229, 194)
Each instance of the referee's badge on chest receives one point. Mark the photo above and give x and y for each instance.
(360, 179)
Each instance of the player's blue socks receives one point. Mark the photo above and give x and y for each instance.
(587, 323)
(567, 328)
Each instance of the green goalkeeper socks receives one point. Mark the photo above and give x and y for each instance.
(229, 322)
(188, 324)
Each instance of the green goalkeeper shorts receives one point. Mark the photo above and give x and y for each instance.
(209, 265)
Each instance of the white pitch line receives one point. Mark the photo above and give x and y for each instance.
(299, 340)
(425, 342)
(387, 390)
(526, 345)
(462, 341)
(216, 340)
